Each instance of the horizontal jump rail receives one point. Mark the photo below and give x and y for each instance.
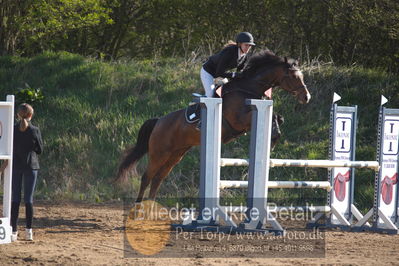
(276, 209)
(278, 184)
(304, 163)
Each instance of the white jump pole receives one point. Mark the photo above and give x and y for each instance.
(277, 209)
(304, 163)
(6, 149)
(278, 184)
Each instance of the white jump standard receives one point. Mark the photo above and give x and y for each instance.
(386, 194)
(343, 121)
(210, 166)
(6, 149)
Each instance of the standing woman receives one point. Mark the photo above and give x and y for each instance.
(232, 56)
(27, 145)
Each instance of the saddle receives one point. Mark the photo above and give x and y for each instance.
(193, 111)
(387, 188)
(340, 185)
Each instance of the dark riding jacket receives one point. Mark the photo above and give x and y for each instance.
(217, 65)
(27, 145)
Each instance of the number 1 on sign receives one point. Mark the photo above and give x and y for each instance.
(343, 132)
(343, 140)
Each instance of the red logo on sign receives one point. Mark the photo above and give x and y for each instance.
(387, 188)
(339, 185)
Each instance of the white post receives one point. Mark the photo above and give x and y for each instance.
(6, 149)
(386, 193)
(343, 147)
(258, 175)
(211, 133)
(386, 188)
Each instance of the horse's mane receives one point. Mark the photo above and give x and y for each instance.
(261, 59)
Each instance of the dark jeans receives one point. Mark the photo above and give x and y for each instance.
(29, 178)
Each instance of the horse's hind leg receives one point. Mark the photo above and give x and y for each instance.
(154, 166)
(145, 181)
(165, 170)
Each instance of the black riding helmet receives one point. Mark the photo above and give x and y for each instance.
(245, 37)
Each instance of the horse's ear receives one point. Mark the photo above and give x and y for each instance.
(285, 59)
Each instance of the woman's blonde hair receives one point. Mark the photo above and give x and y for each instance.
(24, 112)
(230, 43)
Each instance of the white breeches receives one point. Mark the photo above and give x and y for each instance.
(207, 82)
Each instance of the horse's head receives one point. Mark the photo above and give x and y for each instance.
(267, 70)
(292, 81)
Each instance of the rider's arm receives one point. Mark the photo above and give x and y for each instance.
(227, 60)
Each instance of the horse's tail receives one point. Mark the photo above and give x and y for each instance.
(134, 154)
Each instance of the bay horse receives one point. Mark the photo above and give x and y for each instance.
(168, 138)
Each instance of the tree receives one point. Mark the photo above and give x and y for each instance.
(345, 31)
(33, 26)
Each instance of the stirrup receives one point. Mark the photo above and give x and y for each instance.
(195, 94)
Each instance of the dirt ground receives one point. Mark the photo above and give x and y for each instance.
(93, 234)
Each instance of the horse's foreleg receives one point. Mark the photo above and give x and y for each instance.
(165, 170)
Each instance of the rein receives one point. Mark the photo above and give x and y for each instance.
(225, 123)
(242, 91)
(251, 93)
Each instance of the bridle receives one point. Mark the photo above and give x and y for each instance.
(296, 90)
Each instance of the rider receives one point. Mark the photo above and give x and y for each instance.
(232, 56)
